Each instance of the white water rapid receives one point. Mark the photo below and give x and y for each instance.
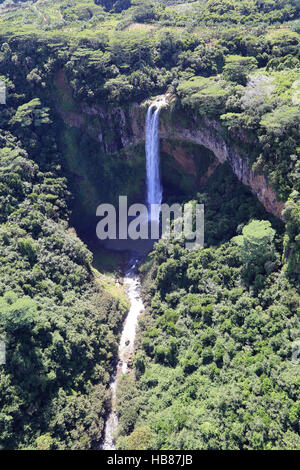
(126, 349)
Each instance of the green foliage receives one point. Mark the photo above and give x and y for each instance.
(268, 108)
(28, 249)
(206, 95)
(115, 5)
(237, 11)
(233, 353)
(31, 114)
(281, 119)
(229, 335)
(256, 241)
(59, 325)
(17, 314)
(257, 251)
(238, 68)
(291, 215)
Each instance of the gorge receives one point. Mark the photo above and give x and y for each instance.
(131, 280)
(128, 126)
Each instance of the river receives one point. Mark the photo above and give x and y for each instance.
(126, 348)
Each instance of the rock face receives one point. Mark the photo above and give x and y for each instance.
(181, 156)
(117, 128)
(210, 136)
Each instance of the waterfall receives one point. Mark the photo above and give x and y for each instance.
(154, 188)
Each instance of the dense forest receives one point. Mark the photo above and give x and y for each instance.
(213, 367)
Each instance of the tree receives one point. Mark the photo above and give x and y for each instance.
(291, 216)
(44, 442)
(28, 249)
(237, 68)
(282, 118)
(256, 242)
(16, 313)
(144, 12)
(114, 5)
(139, 439)
(31, 113)
(206, 95)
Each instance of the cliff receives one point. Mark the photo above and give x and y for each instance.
(210, 135)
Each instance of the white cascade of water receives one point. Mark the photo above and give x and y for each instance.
(154, 187)
(126, 350)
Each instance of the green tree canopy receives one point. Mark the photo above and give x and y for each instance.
(237, 68)
(256, 241)
(31, 113)
(16, 313)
